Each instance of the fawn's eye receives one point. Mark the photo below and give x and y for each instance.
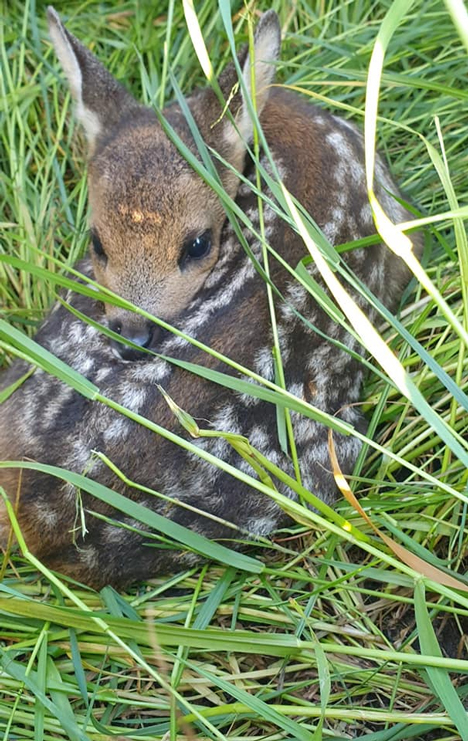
(199, 246)
(97, 245)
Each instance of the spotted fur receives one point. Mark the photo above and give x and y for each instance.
(321, 161)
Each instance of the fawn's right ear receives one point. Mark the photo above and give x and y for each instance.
(100, 99)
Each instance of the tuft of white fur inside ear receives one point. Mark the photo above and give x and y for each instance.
(71, 67)
(90, 122)
(267, 45)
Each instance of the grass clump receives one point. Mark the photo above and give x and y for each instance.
(338, 636)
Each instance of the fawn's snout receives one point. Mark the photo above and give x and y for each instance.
(140, 333)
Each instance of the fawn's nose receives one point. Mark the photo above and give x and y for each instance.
(141, 334)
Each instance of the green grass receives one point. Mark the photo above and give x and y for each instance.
(339, 636)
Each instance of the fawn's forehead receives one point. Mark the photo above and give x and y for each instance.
(140, 166)
(143, 194)
(141, 185)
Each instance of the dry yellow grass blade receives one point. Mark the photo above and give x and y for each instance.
(410, 559)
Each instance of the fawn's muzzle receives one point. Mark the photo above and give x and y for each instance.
(139, 334)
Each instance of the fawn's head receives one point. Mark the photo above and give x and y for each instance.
(155, 224)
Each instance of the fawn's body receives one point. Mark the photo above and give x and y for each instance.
(320, 159)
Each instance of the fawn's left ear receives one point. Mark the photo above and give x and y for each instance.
(261, 72)
(100, 99)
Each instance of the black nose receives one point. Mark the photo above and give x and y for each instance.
(141, 335)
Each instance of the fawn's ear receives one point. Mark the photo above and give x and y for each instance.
(261, 72)
(100, 99)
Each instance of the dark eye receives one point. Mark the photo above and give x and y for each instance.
(198, 247)
(97, 245)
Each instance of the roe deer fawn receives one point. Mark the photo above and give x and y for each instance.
(161, 240)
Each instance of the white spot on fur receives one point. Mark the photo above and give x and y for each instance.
(112, 534)
(116, 430)
(46, 516)
(153, 371)
(319, 120)
(246, 399)
(263, 363)
(330, 229)
(357, 172)
(226, 420)
(341, 145)
(340, 177)
(103, 374)
(55, 408)
(219, 447)
(259, 438)
(58, 346)
(76, 332)
(88, 555)
(130, 396)
(366, 214)
(261, 526)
